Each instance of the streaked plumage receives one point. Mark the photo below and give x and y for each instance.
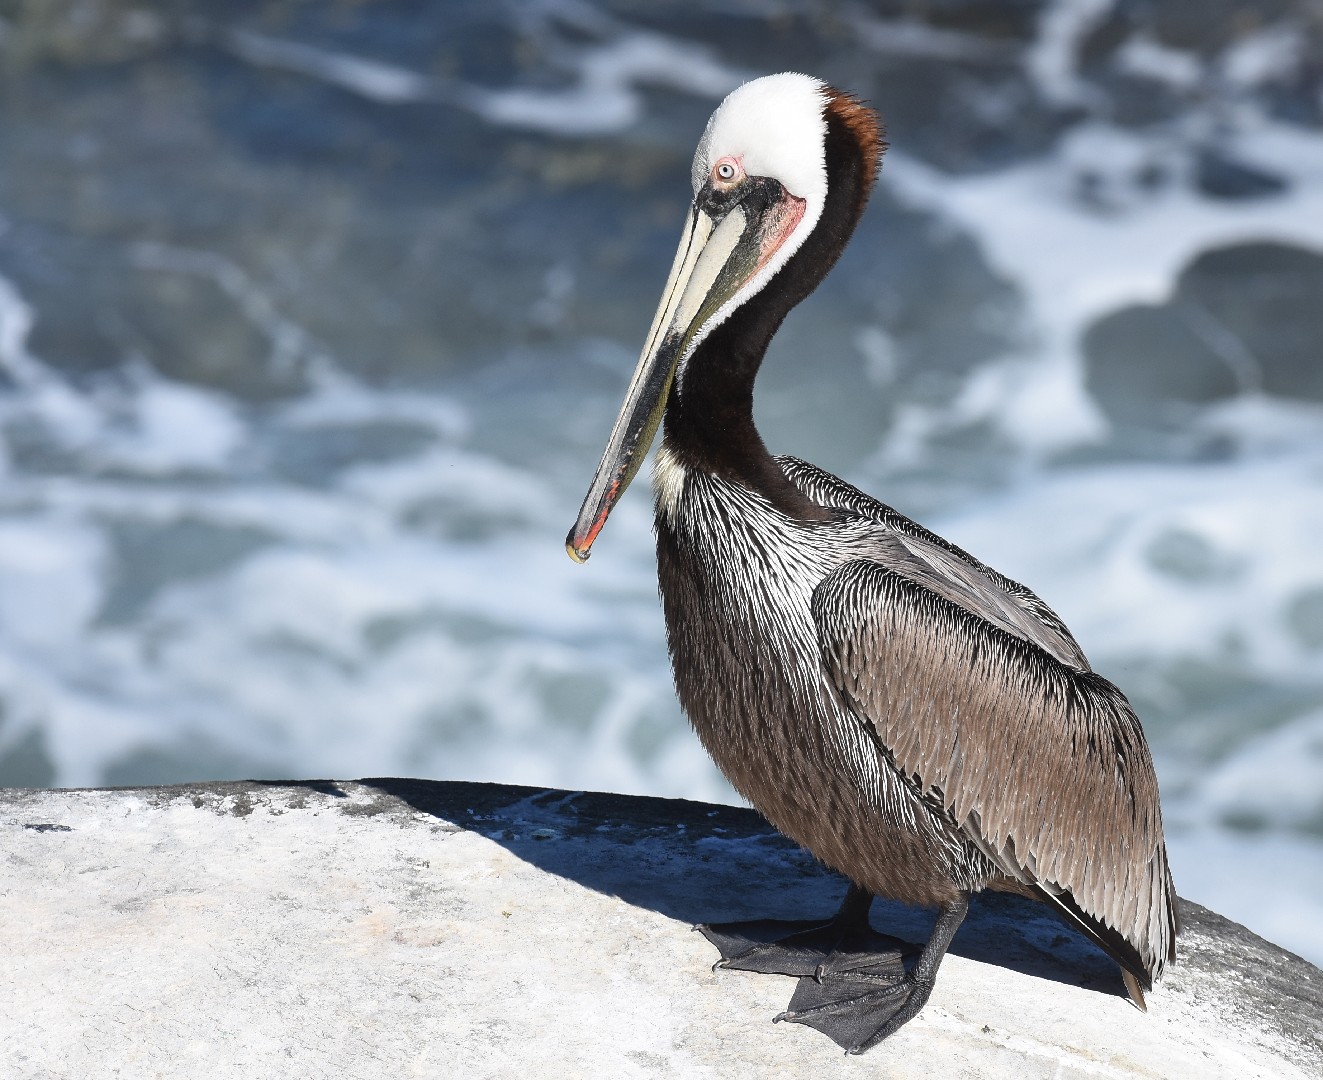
(915, 719)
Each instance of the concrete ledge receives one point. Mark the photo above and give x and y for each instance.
(407, 928)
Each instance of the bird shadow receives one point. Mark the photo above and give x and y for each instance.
(700, 863)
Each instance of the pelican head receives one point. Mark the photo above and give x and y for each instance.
(760, 179)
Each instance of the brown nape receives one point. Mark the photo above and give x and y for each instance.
(863, 122)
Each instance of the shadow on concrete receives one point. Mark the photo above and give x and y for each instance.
(322, 787)
(697, 863)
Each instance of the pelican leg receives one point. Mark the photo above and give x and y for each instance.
(815, 948)
(855, 1012)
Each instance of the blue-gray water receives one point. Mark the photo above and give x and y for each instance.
(314, 318)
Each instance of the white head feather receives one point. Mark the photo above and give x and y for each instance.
(775, 126)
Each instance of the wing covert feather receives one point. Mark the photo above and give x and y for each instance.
(1037, 622)
(1043, 764)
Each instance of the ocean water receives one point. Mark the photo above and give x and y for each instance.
(313, 324)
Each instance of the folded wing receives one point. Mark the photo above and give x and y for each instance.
(1041, 762)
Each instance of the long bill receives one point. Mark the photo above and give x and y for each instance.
(715, 259)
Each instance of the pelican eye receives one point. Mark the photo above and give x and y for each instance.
(725, 170)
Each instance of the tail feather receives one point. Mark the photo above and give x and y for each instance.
(1134, 972)
(1135, 991)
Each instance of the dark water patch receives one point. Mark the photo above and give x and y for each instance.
(1204, 707)
(1305, 618)
(455, 518)
(149, 556)
(1146, 362)
(1190, 557)
(454, 728)
(191, 755)
(315, 455)
(26, 762)
(1243, 319)
(574, 700)
(1264, 297)
(387, 632)
(1225, 177)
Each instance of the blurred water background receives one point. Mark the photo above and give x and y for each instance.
(314, 317)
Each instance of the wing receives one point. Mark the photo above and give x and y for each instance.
(1043, 765)
(1002, 601)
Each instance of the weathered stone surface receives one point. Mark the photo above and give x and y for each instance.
(411, 928)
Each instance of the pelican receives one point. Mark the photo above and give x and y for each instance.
(917, 721)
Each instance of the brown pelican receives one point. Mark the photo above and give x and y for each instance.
(917, 721)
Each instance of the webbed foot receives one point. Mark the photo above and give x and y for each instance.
(859, 1008)
(853, 1010)
(813, 948)
(816, 948)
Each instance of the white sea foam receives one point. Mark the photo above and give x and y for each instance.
(174, 427)
(50, 570)
(604, 97)
(335, 398)
(45, 397)
(15, 325)
(349, 640)
(150, 425)
(1178, 68)
(1052, 60)
(1273, 54)
(601, 96)
(385, 83)
(912, 37)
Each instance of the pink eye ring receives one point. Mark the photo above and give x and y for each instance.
(726, 170)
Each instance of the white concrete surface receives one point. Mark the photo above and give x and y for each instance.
(409, 929)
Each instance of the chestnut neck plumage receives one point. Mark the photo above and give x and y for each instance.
(709, 417)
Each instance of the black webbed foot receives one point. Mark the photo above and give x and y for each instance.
(817, 948)
(859, 1008)
(853, 1010)
(811, 948)
(853, 986)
